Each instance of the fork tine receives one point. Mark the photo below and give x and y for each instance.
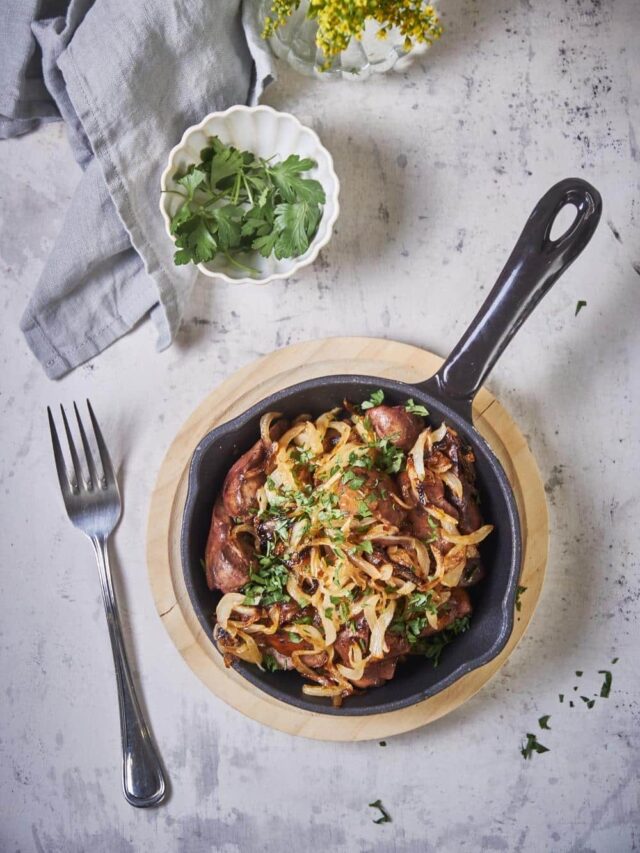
(61, 468)
(107, 467)
(72, 450)
(91, 465)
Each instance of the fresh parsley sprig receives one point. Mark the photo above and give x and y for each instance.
(236, 203)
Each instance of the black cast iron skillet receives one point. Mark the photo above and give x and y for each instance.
(534, 265)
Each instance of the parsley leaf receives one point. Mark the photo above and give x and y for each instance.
(543, 722)
(191, 181)
(415, 408)
(581, 303)
(285, 176)
(376, 399)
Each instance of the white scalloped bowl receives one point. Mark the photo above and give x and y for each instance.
(266, 133)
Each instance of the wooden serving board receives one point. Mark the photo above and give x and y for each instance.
(370, 356)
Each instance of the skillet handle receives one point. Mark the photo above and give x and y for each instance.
(534, 265)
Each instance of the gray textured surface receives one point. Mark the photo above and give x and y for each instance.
(440, 168)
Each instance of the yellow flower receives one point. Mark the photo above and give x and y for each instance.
(341, 20)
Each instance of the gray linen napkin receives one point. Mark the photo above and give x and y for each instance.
(128, 78)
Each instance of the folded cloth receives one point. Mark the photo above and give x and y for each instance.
(128, 79)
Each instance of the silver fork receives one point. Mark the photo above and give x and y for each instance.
(94, 506)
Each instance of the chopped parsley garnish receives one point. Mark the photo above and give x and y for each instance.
(422, 601)
(389, 457)
(521, 590)
(374, 400)
(363, 510)
(353, 480)
(532, 745)
(413, 621)
(415, 408)
(302, 456)
(385, 816)
(362, 548)
(382, 743)
(270, 663)
(561, 696)
(615, 660)
(606, 684)
(432, 647)
(359, 460)
(588, 702)
(580, 304)
(579, 673)
(543, 722)
(267, 585)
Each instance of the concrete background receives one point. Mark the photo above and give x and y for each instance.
(440, 168)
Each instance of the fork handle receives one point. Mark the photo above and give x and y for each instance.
(142, 777)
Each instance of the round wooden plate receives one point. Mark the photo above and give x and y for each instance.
(370, 356)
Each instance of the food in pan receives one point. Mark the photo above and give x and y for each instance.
(344, 543)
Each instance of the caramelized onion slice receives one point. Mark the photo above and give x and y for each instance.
(470, 538)
(377, 646)
(324, 690)
(453, 482)
(265, 427)
(227, 604)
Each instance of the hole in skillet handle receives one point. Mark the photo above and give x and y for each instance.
(563, 222)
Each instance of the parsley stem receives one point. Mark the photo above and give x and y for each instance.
(175, 192)
(236, 188)
(240, 265)
(247, 188)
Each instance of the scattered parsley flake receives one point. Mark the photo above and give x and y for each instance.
(579, 673)
(382, 743)
(615, 660)
(581, 303)
(606, 684)
(385, 816)
(543, 722)
(520, 591)
(561, 696)
(532, 745)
